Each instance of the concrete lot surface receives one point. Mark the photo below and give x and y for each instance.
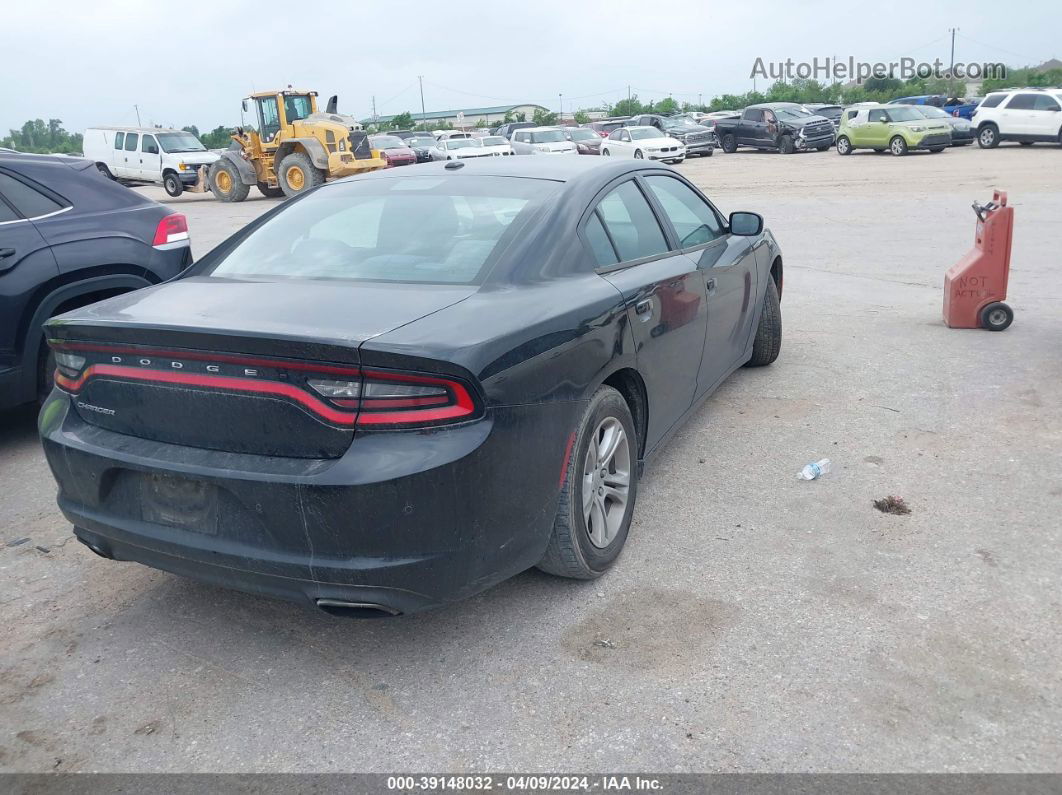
(753, 623)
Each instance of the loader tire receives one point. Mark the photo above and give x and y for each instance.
(225, 182)
(268, 192)
(297, 174)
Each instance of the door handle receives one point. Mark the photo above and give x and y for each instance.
(711, 286)
(642, 307)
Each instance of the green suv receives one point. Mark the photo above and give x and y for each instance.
(898, 128)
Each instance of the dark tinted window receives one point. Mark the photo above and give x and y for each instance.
(631, 223)
(878, 115)
(991, 100)
(753, 114)
(596, 236)
(694, 221)
(1045, 102)
(131, 141)
(1022, 102)
(851, 114)
(149, 146)
(119, 140)
(30, 202)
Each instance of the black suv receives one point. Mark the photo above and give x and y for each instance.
(70, 237)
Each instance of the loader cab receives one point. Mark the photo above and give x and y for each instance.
(276, 111)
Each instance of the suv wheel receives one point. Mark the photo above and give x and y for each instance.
(988, 137)
(898, 146)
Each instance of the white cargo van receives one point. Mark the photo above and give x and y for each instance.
(149, 154)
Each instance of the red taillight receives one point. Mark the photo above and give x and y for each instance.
(399, 399)
(171, 229)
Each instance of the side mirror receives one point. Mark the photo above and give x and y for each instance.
(746, 224)
(884, 121)
(243, 105)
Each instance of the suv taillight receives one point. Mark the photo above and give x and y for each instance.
(171, 229)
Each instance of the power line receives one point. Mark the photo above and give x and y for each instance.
(1001, 49)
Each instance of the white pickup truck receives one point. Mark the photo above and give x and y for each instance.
(172, 158)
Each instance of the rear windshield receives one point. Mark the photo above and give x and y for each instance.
(417, 229)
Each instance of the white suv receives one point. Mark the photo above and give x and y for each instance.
(1026, 115)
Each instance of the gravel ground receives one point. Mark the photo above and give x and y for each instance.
(754, 622)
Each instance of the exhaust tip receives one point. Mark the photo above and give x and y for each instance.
(345, 609)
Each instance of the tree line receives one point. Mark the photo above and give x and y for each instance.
(46, 137)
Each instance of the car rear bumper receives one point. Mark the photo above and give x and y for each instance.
(404, 521)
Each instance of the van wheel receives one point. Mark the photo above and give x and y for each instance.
(768, 343)
(988, 137)
(172, 184)
(785, 145)
(268, 192)
(599, 491)
(844, 146)
(729, 143)
(104, 170)
(225, 182)
(297, 174)
(898, 146)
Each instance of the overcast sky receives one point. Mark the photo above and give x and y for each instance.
(88, 63)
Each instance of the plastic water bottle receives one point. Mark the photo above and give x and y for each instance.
(814, 469)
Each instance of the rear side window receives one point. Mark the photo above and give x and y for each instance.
(992, 100)
(131, 141)
(631, 223)
(119, 140)
(851, 114)
(600, 245)
(695, 223)
(27, 200)
(1022, 102)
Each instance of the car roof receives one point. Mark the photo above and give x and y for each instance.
(556, 169)
(541, 129)
(22, 158)
(134, 128)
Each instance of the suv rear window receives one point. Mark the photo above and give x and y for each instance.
(992, 100)
(27, 200)
(427, 230)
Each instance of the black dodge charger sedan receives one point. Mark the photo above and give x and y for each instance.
(398, 389)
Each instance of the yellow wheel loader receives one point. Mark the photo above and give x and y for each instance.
(294, 149)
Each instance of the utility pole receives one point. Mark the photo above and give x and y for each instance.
(374, 117)
(951, 71)
(137, 109)
(628, 97)
(422, 112)
(561, 98)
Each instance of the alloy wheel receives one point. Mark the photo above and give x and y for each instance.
(606, 482)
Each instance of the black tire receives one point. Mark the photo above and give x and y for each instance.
(821, 148)
(936, 150)
(729, 143)
(236, 189)
(312, 176)
(996, 316)
(638, 154)
(172, 184)
(768, 342)
(606, 153)
(570, 552)
(786, 145)
(898, 146)
(844, 145)
(268, 192)
(878, 150)
(102, 168)
(708, 153)
(988, 136)
(1026, 143)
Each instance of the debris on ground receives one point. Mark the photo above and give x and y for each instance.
(605, 644)
(18, 542)
(814, 470)
(45, 550)
(892, 504)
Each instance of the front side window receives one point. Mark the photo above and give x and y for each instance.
(694, 222)
(878, 115)
(412, 230)
(297, 107)
(27, 200)
(148, 145)
(631, 223)
(131, 140)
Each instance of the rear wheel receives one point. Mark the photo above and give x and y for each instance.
(268, 192)
(988, 137)
(599, 491)
(844, 146)
(172, 184)
(898, 146)
(768, 342)
(297, 174)
(225, 182)
(729, 143)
